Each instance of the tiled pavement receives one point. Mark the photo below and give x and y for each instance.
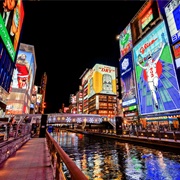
(30, 162)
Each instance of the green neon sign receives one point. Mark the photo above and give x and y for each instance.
(6, 39)
(132, 108)
(125, 39)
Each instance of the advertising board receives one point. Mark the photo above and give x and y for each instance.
(34, 94)
(127, 80)
(39, 98)
(172, 11)
(176, 51)
(11, 20)
(103, 80)
(156, 79)
(125, 41)
(24, 73)
(6, 67)
(147, 16)
(13, 106)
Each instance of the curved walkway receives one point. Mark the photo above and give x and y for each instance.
(30, 162)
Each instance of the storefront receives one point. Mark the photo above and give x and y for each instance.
(162, 124)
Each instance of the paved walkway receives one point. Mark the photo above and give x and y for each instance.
(30, 162)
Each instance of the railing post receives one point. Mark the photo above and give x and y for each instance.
(174, 135)
(59, 171)
(58, 157)
(159, 134)
(147, 134)
(137, 133)
(58, 166)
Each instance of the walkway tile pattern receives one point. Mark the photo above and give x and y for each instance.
(30, 162)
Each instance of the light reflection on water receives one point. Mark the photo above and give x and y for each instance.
(105, 159)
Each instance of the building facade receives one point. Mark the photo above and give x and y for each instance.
(99, 90)
(9, 43)
(19, 99)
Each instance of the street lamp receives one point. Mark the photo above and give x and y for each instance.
(117, 37)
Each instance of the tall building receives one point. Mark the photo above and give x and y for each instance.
(19, 99)
(84, 84)
(43, 92)
(149, 64)
(33, 99)
(102, 90)
(99, 90)
(79, 100)
(9, 43)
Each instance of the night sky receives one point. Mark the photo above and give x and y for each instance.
(70, 36)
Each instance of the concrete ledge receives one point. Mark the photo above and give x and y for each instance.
(169, 144)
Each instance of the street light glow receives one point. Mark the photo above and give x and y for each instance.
(117, 37)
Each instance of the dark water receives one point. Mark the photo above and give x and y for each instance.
(105, 159)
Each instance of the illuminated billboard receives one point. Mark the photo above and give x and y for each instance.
(144, 20)
(7, 67)
(34, 94)
(24, 73)
(34, 90)
(127, 81)
(11, 19)
(33, 99)
(39, 98)
(13, 106)
(148, 17)
(176, 50)
(23, 77)
(125, 41)
(156, 78)
(32, 106)
(6, 39)
(103, 80)
(172, 11)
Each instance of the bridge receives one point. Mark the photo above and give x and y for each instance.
(67, 118)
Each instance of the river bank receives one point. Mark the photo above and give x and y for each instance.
(169, 144)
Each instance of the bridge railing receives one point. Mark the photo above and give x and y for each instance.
(58, 157)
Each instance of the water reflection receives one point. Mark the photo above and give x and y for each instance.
(104, 159)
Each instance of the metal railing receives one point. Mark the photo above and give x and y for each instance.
(58, 157)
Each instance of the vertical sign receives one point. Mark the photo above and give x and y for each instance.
(176, 50)
(127, 80)
(125, 41)
(172, 11)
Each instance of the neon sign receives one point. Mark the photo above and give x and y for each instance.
(146, 19)
(172, 11)
(176, 50)
(125, 41)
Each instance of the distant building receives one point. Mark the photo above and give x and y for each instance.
(43, 93)
(99, 91)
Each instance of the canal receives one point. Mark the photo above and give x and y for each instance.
(106, 159)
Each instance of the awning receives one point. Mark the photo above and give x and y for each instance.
(167, 119)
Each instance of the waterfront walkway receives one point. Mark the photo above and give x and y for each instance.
(30, 162)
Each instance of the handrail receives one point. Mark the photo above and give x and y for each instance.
(58, 156)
